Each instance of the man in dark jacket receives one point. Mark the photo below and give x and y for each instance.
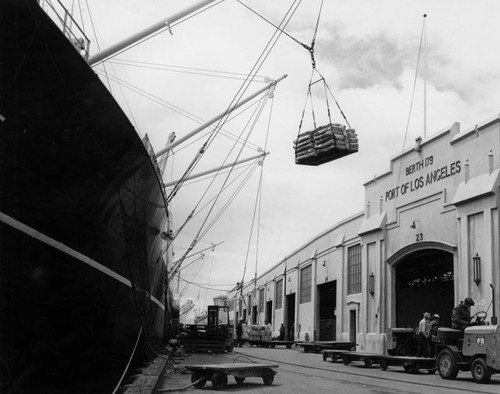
(460, 317)
(239, 334)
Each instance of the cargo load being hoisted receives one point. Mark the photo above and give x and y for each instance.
(330, 141)
(324, 144)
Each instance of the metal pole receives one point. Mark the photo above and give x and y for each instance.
(263, 154)
(215, 119)
(104, 54)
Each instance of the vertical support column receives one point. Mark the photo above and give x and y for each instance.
(314, 290)
(296, 328)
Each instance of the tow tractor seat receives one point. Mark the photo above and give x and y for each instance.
(445, 333)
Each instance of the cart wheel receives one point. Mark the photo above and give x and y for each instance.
(229, 348)
(219, 380)
(334, 357)
(431, 371)
(383, 365)
(481, 373)
(268, 376)
(197, 376)
(407, 368)
(239, 380)
(368, 362)
(288, 346)
(272, 346)
(414, 368)
(345, 360)
(446, 364)
(325, 356)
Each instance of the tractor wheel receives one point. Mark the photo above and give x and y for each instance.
(239, 380)
(197, 376)
(446, 364)
(219, 380)
(268, 376)
(481, 373)
(401, 350)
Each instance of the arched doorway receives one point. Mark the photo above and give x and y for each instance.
(424, 283)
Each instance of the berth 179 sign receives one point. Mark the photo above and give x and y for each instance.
(418, 182)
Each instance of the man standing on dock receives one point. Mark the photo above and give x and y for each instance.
(424, 329)
(239, 333)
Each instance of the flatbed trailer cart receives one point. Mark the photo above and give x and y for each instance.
(218, 373)
(409, 363)
(319, 346)
(368, 358)
(271, 344)
(335, 355)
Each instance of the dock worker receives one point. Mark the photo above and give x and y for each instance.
(282, 332)
(424, 328)
(239, 333)
(460, 316)
(433, 334)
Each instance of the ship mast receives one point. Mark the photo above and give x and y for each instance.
(164, 23)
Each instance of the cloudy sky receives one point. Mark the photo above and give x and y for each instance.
(366, 50)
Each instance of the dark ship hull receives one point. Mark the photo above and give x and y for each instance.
(81, 213)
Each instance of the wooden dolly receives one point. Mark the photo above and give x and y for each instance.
(334, 354)
(410, 363)
(368, 358)
(318, 346)
(271, 344)
(218, 373)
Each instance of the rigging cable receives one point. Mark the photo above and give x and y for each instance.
(168, 105)
(414, 83)
(188, 70)
(106, 73)
(192, 214)
(259, 200)
(256, 67)
(310, 49)
(241, 149)
(181, 181)
(270, 45)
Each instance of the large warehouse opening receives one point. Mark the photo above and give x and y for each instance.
(424, 283)
(327, 306)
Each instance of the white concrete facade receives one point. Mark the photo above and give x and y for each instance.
(439, 200)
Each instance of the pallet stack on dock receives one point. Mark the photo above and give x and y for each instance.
(203, 338)
(324, 144)
(258, 332)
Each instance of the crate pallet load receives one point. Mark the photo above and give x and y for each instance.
(324, 144)
(258, 332)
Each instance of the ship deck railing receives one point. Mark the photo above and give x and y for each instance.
(70, 28)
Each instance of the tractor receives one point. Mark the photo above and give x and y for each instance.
(476, 349)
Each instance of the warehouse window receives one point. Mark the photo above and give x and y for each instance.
(279, 294)
(354, 269)
(261, 300)
(305, 284)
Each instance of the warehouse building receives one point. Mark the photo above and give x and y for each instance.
(427, 238)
